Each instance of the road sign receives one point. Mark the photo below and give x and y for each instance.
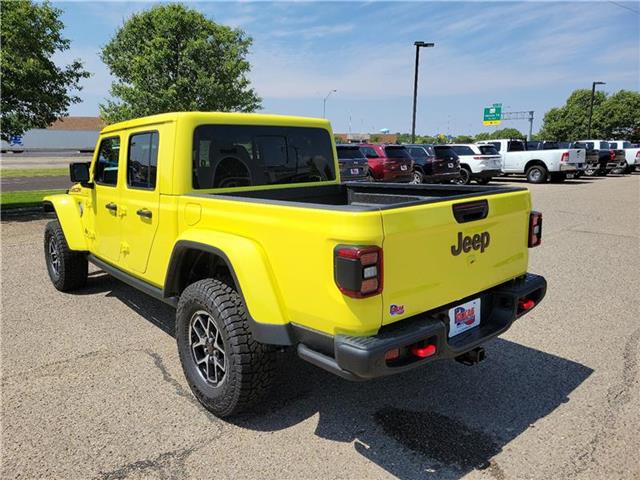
(493, 114)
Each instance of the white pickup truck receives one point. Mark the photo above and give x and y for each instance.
(631, 154)
(538, 165)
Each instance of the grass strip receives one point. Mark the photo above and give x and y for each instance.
(34, 172)
(30, 198)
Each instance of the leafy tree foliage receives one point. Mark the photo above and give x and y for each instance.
(463, 139)
(619, 116)
(507, 133)
(173, 58)
(614, 116)
(35, 91)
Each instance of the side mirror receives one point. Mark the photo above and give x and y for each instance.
(79, 173)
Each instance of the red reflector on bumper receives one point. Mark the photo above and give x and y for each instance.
(526, 304)
(423, 352)
(392, 355)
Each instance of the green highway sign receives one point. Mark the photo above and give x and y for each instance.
(493, 114)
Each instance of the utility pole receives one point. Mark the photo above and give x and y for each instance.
(593, 93)
(324, 103)
(415, 86)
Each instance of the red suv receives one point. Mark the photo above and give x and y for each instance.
(388, 163)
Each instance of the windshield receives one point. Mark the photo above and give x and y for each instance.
(226, 156)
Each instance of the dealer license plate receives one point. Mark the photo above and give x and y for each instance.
(463, 317)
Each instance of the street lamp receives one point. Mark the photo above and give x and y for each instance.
(324, 103)
(415, 86)
(593, 93)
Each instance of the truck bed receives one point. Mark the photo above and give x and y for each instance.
(363, 196)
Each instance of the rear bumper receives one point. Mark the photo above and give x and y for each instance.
(486, 174)
(442, 177)
(363, 358)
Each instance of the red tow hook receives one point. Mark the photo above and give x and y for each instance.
(526, 304)
(423, 352)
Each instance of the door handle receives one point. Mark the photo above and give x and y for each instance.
(111, 206)
(143, 212)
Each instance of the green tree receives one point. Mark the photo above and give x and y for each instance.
(619, 116)
(570, 122)
(173, 58)
(483, 136)
(440, 139)
(35, 91)
(507, 133)
(463, 139)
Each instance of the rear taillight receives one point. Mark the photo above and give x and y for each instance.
(612, 155)
(565, 157)
(535, 229)
(638, 154)
(358, 270)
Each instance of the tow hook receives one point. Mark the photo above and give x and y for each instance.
(472, 357)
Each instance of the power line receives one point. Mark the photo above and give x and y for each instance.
(625, 7)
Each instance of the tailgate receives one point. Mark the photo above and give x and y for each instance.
(423, 268)
(576, 155)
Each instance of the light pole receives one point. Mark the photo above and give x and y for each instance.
(415, 86)
(593, 93)
(324, 103)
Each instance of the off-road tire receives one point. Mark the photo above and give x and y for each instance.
(249, 364)
(537, 174)
(69, 269)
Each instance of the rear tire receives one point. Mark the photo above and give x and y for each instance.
(465, 176)
(484, 180)
(227, 370)
(418, 178)
(537, 174)
(67, 268)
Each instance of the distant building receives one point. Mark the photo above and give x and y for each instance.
(367, 137)
(66, 134)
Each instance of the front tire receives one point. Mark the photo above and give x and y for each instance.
(68, 269)
(537, 174)
(227, 370)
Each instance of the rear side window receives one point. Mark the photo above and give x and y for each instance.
(550, 146)
(604, 146)
(396, 152)
(515, 147)
(369, 152)
(226, 156)
(533, 145)
(349, 152)
(463, 150)
(488, 150)
(417, 152)
(585, 145)
(106, 168)
(142, 160)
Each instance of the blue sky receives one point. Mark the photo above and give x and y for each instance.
(525, 55)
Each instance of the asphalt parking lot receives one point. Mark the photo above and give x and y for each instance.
(92, 386)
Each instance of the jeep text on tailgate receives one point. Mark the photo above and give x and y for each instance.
(241, 223)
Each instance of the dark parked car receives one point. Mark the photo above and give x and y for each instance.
(388, 163)
(434, 163)
(601, 158)
(353, 164)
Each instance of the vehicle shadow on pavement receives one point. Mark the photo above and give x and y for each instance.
(445, 419)
(568, 181)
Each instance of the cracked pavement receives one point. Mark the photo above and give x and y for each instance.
(92, 386)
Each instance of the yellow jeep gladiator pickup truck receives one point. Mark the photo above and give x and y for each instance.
(240, 221)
